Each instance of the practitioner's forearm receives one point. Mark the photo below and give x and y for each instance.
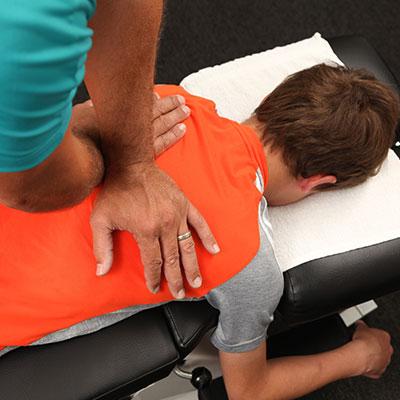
(120, 77)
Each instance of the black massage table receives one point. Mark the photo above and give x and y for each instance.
(120, 360)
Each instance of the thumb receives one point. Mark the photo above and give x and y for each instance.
(102, 248)
(360, 323)
(359, 326)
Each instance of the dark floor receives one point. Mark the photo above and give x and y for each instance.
(200, 33)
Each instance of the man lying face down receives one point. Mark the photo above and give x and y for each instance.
(323, 128)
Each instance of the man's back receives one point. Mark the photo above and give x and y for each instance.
(215, 165)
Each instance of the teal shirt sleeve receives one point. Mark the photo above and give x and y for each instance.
(43, 47)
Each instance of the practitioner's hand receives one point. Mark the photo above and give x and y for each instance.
(168, 115)
(147, 203)
(377, 349)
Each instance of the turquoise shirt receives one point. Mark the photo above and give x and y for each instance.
(43, 48)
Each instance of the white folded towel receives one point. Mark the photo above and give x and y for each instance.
(325, 223)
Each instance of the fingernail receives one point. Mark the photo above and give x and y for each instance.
(197, 282)
(157, 95)
(181, 99)
(155, 290)
(186, 109)
(182, 128)
(181, 294)
(90, 103)
(216, 249)
(100, 270)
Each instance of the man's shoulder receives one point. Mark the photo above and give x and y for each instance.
(191, 100)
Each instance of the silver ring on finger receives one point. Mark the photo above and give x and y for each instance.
(184, 236)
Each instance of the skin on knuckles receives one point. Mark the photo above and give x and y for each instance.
(166, 104)
(168, 115)
(166, 140)
(173, 273)
(162, 106)
(159, 249)
(158, 227)
(199, 224)
(189, 258)
(152, 262)
(170, 255)
(164, 123)
(169, 120)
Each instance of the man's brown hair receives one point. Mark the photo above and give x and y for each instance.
(331, 120)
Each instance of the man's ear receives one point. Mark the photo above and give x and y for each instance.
(308, 185)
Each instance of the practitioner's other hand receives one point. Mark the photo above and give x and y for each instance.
(168, 114)
(376, 349)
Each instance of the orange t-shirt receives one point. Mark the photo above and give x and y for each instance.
(47, 267)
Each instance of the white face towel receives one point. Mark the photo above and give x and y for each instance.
(325, 223)
(237, 87)
(338, 221)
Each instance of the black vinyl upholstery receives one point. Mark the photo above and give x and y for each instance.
(105, 365)
(356, 52)
(327, 285)
(189, 322)
(123, 358)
